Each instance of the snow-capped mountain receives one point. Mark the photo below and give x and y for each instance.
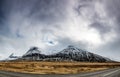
(34, 53)
(33, 50)
(71, 53)
(11, 58)
(76, 54)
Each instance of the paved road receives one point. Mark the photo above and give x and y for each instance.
(106, 73)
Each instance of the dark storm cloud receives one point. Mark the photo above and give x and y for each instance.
(102, 28)
(113, 9)
(38, 10)
(46, 9)
(2, 16)
(82, 4)
(95, 18)
(3, 28)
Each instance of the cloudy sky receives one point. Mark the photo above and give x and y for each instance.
(52, 25)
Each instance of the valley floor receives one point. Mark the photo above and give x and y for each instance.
(42, 67)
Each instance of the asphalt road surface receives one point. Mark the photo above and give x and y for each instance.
(106, 73)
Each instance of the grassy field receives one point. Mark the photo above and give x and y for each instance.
(55, 67)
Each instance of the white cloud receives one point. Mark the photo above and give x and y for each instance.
(32, 31)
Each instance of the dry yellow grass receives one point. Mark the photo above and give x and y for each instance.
(55, 67)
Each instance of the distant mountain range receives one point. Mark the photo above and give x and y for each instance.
(70, 53)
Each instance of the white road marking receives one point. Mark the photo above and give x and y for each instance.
(110, 73)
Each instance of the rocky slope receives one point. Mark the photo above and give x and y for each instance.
(75, 54)
(70, 53)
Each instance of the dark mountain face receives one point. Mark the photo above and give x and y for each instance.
(70, 53)
(33, 53)
(32, 50)
(75, 54)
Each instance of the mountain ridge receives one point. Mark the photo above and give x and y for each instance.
(70, 53)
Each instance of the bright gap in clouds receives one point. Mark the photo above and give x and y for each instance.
(78, 25)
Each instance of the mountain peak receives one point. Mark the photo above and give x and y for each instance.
(78, 54)
(71, 49)
(33, 50)
(71, 46)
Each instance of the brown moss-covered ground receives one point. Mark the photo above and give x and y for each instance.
(55, 67)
